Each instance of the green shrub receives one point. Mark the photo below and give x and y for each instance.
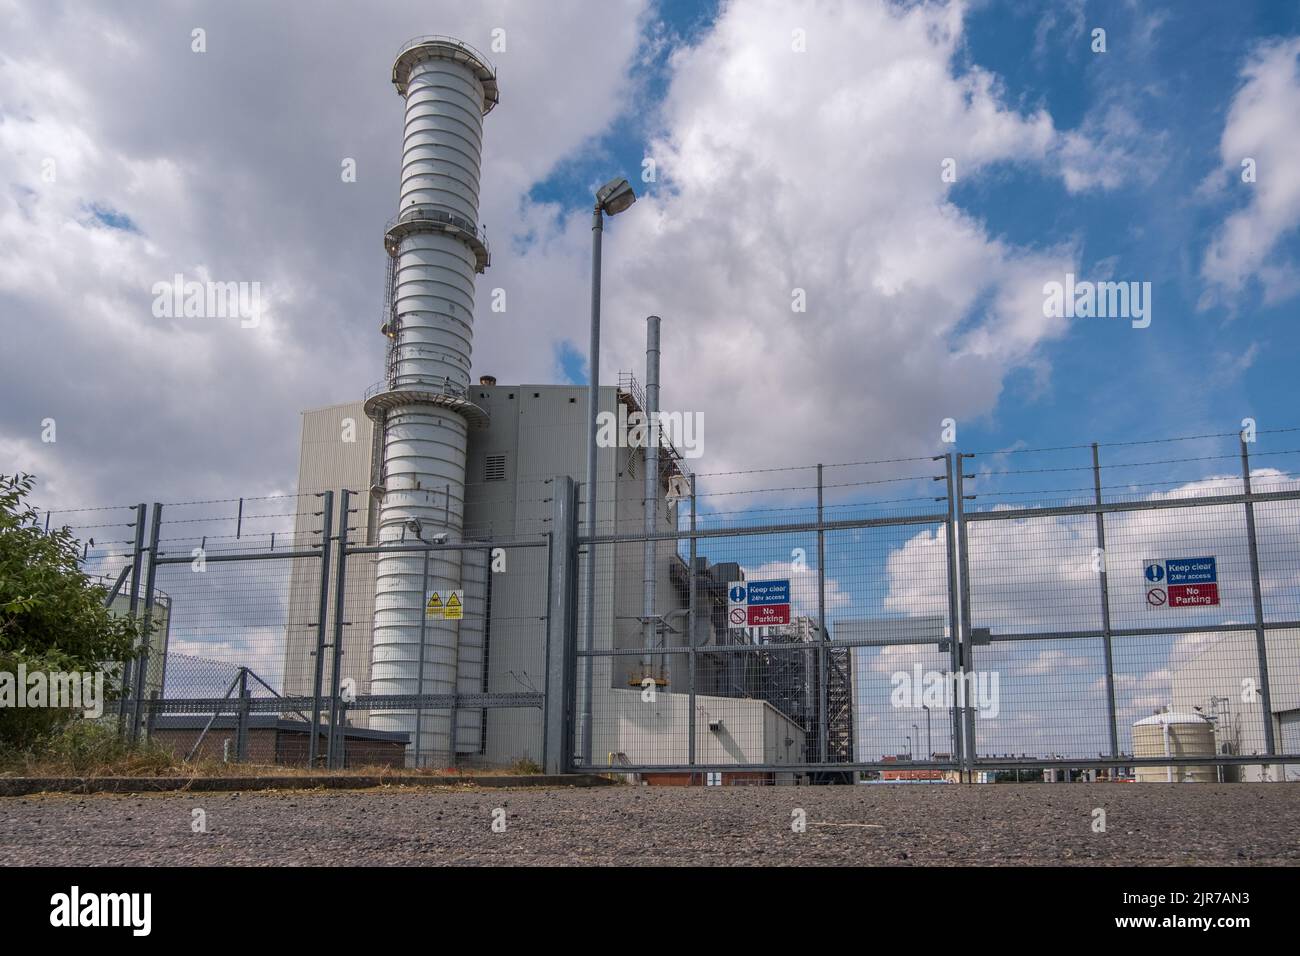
(52, 617)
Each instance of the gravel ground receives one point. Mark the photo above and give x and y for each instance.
(874, 825)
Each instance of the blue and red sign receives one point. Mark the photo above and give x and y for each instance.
(1181, 582)
(762, 603)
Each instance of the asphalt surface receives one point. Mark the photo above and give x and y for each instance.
(907, 825)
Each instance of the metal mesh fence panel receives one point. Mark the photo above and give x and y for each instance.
(1039, 699)
(1125, 607)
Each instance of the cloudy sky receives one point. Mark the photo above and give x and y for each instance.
(913, 173)
(795, 146)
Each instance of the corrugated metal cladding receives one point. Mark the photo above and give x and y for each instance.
(538, 432)
(338, 444)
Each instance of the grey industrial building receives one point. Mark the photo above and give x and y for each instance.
(1208, 682)
(765, 700)
(436, 457)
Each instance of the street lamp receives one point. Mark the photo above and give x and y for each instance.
(929, 744)
(611, 199)
(917, 730)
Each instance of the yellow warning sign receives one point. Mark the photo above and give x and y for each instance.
(455, 609)
(434, 608)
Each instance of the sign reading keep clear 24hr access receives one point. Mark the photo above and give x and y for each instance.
(1181, 582)
(758, 603)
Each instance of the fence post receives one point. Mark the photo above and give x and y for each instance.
(241, 724)
(589, 604)
(419, 669)
(137, 561)
(452, 716)
(965, 658)
(142, 661)
(339, 748)
(562, 630)
(337, 663)
(151, 718)
(322, 613)
(1261, 645)
(956, 749)
(823, 655)
(1105, 609)
(691, 642)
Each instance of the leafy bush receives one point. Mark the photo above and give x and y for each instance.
(52, 616)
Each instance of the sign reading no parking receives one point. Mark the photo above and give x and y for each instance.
(1181, 582)
(758, 603)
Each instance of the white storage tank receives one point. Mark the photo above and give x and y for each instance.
(1174, 735)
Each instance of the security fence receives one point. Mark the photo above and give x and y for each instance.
(1131, 626)
(262, 615)
(961, 616)
(1138, 623)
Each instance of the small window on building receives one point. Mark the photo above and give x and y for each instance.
(494, 468)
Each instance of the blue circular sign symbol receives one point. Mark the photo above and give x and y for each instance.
(1155, 572)
(737, 594)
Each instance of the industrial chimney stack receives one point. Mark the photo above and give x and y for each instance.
(423, 405)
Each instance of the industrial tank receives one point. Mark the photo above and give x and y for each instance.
(1174, 735)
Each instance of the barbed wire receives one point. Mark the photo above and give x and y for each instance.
(222, 501)
(288, 514)
(542, 480)
(1145, 441)
(704, 515)
(842, 484)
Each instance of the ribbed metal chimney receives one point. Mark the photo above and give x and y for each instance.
(423, 405)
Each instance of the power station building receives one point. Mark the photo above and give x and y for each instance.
(432, 456)
(531, 434)
(752, 707)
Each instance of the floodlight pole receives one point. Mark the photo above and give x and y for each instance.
(593, 394)
(611, 199)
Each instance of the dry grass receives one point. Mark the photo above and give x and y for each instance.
(85, 749)
(152, 765)
(88, 749)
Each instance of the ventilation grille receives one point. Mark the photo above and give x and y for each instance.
(494, 468)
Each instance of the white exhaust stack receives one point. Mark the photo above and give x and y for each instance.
(423, 406)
